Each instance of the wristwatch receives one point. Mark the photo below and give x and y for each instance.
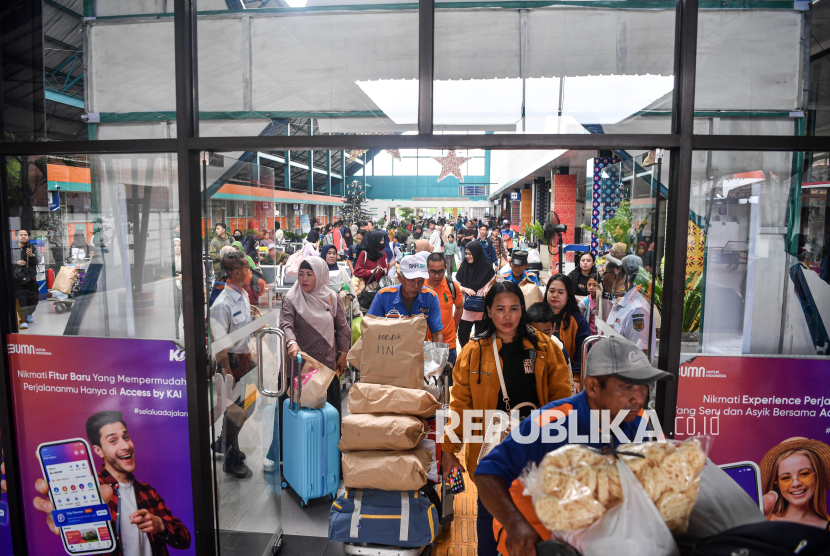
(290, 342)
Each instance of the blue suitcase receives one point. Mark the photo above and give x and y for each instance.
(311, 458)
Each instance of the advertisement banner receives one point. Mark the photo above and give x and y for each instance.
(770, 421)
(102, 426)
(5, 529)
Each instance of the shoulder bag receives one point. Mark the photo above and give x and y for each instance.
(496, 430)
(474, 303)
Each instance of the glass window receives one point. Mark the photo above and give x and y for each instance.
(556, 69)
(115, 257)
(757, 255)
(90, 71)
(344, 70)
(753, 69)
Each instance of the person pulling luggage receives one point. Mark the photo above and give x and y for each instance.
(518, 269)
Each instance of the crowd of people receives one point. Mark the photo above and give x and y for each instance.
(462, 275)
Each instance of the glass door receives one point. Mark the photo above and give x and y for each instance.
(246, 353)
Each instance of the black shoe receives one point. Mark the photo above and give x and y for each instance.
(219, 450)
(238, 469)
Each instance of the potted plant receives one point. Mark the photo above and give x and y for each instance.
(537, 232)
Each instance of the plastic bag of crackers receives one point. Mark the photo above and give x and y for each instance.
(575, 485)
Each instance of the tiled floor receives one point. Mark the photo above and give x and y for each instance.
(461, 538)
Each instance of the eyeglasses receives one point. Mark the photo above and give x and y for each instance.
(437, 272)
(805, 477)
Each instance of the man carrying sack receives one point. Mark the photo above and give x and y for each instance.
(411, 297)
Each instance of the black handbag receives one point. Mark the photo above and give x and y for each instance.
(474, 303)
(23, 274)
(767, 538)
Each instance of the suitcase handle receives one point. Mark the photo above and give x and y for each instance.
(299, 384)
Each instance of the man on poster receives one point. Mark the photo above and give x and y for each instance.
(145, 526)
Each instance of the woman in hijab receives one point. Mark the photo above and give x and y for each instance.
(475, 275)
(423, 245)
(237, 235)
(372, 264)
(241, 249)
(390, 253)
(337, 275)
(418, 232)
(314, 321)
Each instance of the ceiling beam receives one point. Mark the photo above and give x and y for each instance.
(63, 44)
(63, 8)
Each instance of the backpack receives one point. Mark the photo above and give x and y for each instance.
(767, 538)
(451, 286)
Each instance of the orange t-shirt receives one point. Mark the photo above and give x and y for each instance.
(446, 303)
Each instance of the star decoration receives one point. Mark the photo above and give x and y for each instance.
(356, 153)
(451, 164)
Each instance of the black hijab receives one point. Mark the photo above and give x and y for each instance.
(347, 236)
(371, 244)
(417, 232)
(475, 276)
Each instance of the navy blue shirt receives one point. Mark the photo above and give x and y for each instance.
(508, 459)
(426, 304)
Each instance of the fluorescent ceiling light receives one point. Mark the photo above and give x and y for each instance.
(296, 3)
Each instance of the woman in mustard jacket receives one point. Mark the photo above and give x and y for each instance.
(534, 371)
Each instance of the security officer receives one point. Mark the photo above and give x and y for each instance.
(411, 297)
(630, 314)
(518, 269)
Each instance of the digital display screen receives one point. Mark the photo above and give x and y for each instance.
(79, 511)
(745, 476)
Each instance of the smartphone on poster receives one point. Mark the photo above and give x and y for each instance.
(748, 476)
(456, 480)
(80, 514)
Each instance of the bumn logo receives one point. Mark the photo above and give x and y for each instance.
(22, 348)
(176, 355)
(693, 372)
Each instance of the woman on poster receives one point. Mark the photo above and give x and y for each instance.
(796, 476)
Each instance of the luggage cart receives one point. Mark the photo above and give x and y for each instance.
(63, 302)
(444, 506)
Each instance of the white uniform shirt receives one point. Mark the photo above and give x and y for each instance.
(133, 541)
(435, 240)
(230, 311)
(630, 316)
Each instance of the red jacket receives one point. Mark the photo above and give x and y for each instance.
(363, 268)
(146, 498)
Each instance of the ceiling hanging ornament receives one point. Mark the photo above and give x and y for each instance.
(451, 164)
(356, 154)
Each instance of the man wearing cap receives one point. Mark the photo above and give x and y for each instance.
(518, 269)
(616, 380)
(411, 297)
(630, 315)
(507, 235)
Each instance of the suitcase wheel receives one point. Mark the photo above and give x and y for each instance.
(284, 484)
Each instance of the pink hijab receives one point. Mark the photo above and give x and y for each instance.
(317, 306)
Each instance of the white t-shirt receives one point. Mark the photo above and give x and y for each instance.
(133, 541)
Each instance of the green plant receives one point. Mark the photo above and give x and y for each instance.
(535, 230)
(616, 229)
(691, 301)
(406, 213)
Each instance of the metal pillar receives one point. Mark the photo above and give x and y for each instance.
(288, 160)
(205, 534)
(311, 158)
(680, 181)
(328, 172)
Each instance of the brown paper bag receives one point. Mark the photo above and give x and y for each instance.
(381, 432)
(353, 358)
(392, 351)
(316, 378)
(379, 398)
(66, 278)
(399, 470)
(531, 292)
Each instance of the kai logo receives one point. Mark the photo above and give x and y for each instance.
(22, 348)
(176, 355)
